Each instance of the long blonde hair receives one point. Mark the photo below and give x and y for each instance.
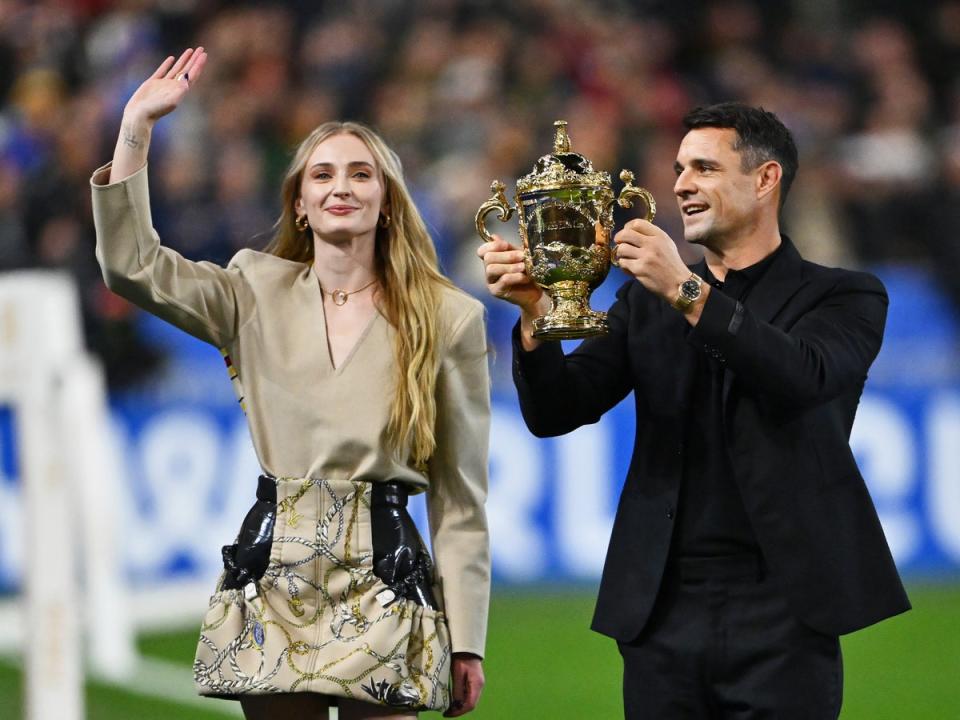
(410, 280)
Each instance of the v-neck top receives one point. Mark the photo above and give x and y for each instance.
(308, 418)
(374, 316)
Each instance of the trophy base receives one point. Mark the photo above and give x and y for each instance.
(571, 317)
(567, 328)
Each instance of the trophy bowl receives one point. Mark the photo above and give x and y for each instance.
(565, 213)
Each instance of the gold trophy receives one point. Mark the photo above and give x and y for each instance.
(566, 221)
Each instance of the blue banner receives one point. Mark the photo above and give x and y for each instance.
(191, 471)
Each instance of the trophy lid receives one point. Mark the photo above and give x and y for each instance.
(562, 168)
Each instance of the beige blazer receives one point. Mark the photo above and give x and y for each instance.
(306, 417)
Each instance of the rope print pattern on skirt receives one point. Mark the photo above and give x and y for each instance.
(315, 624)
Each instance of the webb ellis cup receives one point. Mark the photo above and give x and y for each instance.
(566, 222)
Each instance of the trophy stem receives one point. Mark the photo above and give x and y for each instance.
(571, 316)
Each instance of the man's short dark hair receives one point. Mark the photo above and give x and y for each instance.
(760, 136)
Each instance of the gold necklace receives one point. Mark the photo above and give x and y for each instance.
(340, 296)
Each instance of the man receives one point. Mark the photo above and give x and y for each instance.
(745, 541)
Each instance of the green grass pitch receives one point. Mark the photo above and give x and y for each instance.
(543, 662)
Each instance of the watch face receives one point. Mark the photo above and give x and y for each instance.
(690, 289)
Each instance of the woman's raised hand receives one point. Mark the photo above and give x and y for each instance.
(162, 92)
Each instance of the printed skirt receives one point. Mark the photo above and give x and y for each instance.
(320, 619)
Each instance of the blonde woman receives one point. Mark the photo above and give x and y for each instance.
(363, 375)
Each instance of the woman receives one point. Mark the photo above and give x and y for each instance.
(363, 375)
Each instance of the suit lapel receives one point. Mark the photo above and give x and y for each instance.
(777, 285)
(688, 356)
(770, 294)
(686, 373)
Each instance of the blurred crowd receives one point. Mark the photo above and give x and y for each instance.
(466, 92)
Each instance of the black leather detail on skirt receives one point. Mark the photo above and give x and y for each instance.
(246, 560)
(399, 558)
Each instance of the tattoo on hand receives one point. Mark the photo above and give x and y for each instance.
(130, 138)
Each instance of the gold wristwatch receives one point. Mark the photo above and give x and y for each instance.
(688, 292)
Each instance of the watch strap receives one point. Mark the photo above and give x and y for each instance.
(686, 297)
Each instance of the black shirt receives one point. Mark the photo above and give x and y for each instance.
(711, 519)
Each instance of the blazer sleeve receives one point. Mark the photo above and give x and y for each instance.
(826, 353)
(204, 299)
(458, 483)
(558, 393)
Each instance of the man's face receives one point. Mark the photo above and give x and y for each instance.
(718, 200)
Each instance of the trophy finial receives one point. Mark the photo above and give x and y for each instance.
(561, 141)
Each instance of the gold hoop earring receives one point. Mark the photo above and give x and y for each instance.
(384, 221)
(301, 223)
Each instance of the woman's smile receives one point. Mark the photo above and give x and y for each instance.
(341, 209)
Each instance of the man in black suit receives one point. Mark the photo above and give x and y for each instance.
(745, 541)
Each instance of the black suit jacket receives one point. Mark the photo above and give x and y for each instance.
(796, 356)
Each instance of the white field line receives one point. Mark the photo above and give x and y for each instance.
(173, 682)
(169, 606)
(159, 679)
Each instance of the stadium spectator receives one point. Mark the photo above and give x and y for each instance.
(466, 92)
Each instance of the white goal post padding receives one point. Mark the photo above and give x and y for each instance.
(71, 586)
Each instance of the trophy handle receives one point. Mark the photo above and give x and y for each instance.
(499, 203)
(631, 191)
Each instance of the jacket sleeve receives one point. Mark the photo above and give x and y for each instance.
(825, 353)
(202, 298)
(559, 393)
(458, 483)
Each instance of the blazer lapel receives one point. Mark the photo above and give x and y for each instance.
(688, 356)
(777, 285)
(773, 290)
(686, 373)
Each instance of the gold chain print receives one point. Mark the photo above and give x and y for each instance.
(319, 626)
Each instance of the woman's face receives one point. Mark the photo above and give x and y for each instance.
(342, 190)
